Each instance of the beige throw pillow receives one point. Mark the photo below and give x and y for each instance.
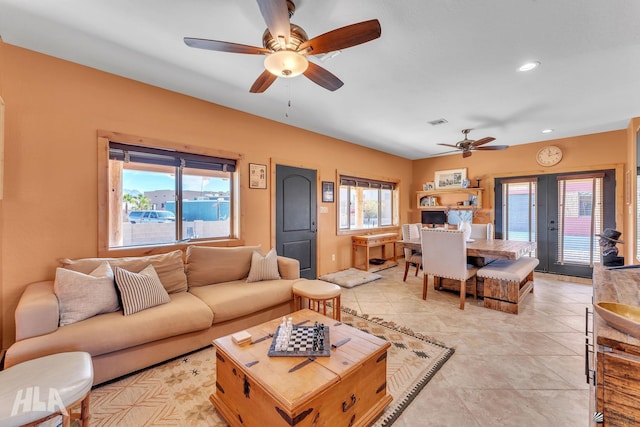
(209, 265)
(81, 296)
(169, 267)
(140, 291)
(264, 267)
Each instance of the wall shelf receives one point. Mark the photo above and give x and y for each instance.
(448, 199)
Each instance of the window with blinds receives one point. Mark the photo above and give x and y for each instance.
(519, 209)
(366, 203)
(160, 196)
(580, 218)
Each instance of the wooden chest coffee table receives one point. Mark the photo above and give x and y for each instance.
(346, 388)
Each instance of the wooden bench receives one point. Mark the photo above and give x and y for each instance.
(507, 283)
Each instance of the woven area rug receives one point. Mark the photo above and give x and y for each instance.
(176, 393)
(350, 277)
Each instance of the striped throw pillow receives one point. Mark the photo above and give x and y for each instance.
(264, 267)
(140, 291)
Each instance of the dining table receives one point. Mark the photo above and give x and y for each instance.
(481, 249)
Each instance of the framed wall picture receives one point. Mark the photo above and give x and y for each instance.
(452, 178)
(327, 192)
(257, 175)
(428, 186)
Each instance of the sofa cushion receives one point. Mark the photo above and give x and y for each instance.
(264, 267)
(106, 333)
(169, 267)
(81, 296)
(209, 265)
(239, 298)
(140, 291)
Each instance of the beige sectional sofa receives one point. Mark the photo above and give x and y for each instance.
(209, 297)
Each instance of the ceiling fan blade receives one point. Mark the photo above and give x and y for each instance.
(263, 82)
(342, 38)
(448, 145)
(322, 77)
(466, 154)
(276, 15)
(224, 46)
(482, 141)
(493, 147)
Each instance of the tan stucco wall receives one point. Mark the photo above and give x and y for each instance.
(605, 150)
(53, 111)
(630, 208)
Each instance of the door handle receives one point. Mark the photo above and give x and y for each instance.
(552, 229)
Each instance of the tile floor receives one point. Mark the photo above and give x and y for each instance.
(507, 370)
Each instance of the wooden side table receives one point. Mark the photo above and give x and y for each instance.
(371, 241)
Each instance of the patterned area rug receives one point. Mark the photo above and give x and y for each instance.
(350, 277)
(176, 393)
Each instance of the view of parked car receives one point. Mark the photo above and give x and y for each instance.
(151, 216)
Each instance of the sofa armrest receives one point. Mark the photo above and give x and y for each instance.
(37, 312)
(289, 268)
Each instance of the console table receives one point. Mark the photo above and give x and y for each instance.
(371, 241)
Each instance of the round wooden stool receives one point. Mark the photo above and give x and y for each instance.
(317, 292)
(34, 391)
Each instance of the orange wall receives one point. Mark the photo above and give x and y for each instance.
(53, 110)
(595, 151)
(630, 208)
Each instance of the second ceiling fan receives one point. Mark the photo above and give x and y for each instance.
(286, 46)
(468, 145)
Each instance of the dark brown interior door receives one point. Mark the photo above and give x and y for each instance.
(296, 217)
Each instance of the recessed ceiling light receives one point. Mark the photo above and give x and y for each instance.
(547, 131)
(529, 66)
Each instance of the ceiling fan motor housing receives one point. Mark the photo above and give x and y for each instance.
(297, 37)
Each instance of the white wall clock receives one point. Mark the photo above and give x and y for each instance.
(549, 155)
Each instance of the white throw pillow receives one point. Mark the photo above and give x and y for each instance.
(81, 296)
(264, 267)
(140, 291)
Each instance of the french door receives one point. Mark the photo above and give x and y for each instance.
(562, 213)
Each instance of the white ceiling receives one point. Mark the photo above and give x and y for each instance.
(451, 59)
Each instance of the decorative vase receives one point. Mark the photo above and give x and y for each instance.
(465, 226)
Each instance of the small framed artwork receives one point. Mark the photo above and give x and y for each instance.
(452, 178)
(327, 192)
(428, 186)
(257, 175)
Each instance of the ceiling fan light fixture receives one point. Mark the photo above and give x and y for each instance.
(529, 66)
(286, 63)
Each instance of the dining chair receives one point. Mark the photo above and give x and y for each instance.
(482, 231)
(411, 256)
(444, 255)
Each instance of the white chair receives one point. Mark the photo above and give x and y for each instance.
(410, 232)
(444, 255)
(482, 231)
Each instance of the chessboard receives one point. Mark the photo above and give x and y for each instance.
(304, 341)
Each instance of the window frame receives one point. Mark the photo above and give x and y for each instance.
(395, 202)
(106, 197)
